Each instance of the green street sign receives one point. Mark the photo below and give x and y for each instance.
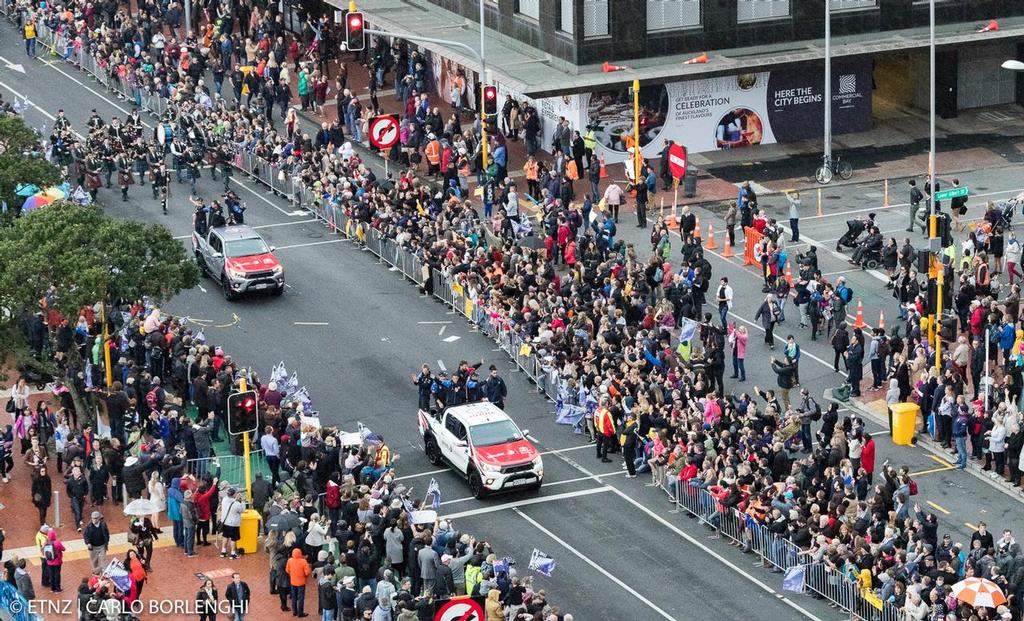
(957, 192)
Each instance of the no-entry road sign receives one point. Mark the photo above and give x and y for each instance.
(384, 131)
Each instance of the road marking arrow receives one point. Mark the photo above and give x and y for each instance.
(14, 66)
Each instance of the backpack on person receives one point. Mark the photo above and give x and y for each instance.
(913, 487)
(816, 414)
(845, 294)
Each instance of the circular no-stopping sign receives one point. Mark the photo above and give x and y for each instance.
(460, 610)
(384, 131)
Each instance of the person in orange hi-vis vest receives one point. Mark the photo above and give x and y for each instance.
(433, 154)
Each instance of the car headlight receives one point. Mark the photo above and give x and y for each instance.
(233, 273)
(278, 270)
(538, 463)
(489, 468)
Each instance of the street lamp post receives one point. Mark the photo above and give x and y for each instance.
(940, 276)
(828, 81)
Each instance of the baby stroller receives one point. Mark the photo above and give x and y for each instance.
(854, 229)
(1006, 209)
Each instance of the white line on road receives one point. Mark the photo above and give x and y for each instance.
(319, 243)
(588, 561)
(201, 288)
(311, 323)
(721, 559)
(267, 200)
(451, 339)
(431, 323)
(551, 484)
(840, 272)
(527, 502)
(441, 331)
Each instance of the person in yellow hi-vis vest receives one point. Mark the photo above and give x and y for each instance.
(30, 37)
(605, 426)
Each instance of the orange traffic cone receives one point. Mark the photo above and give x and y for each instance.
(992, 26)
(698, 60)
(696, 229)
(604, 171)
(789, 273)
(609, 68)
(728, 248)
(711, 245)
(881, 320)
(670, 222)
(858, 322)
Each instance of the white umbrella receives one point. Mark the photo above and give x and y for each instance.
(979, 593)
(142, 507)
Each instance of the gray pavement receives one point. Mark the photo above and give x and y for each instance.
(354, 332)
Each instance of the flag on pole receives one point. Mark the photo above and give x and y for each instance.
(542, 563)
(434, 494)
(794, 579)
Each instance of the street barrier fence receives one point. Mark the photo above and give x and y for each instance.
(775, 551)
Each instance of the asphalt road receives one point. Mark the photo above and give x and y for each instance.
(354, 332)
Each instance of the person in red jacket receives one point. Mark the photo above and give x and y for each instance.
(202, 502)
(55, 550)
(867, 456)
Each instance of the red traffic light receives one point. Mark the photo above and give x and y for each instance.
(249, 403)
(490, 100)
(355, 33)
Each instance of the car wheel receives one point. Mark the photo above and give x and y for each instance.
(225, 288)
(432, 451)
(476, 485)
(278, 291)
(536, 486)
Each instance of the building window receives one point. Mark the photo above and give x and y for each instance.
(668, 14)
(595, 18)
(566, 21)
(530, 8)
(751, 10)
(845, 5)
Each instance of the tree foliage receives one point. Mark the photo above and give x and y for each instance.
(21, 160)
(87, 256)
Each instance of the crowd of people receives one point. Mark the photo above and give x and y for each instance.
(627, 331)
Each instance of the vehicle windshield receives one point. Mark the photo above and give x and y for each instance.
(498, 432)
(245, 247)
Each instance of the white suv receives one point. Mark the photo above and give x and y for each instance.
(484, 445)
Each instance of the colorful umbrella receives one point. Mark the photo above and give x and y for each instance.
(34, 202)
(55, 193)
(979, 593)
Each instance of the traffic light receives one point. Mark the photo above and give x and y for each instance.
(355, 31)
(490, 100)
(243, 412)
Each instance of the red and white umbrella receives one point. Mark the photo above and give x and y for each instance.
(979, 593)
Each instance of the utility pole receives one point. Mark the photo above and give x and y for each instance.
(483, 81)
(637, 158)
(828, 80)
(940, 277)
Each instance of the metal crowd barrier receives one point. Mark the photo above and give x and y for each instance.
(820, 580)
(232, 467)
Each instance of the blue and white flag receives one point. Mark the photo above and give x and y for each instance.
(794, 579)
(542, 563)
(688, 330)
(434, 494)
(118, 575)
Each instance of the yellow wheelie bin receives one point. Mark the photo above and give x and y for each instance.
(904, 420)
(249, 532)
